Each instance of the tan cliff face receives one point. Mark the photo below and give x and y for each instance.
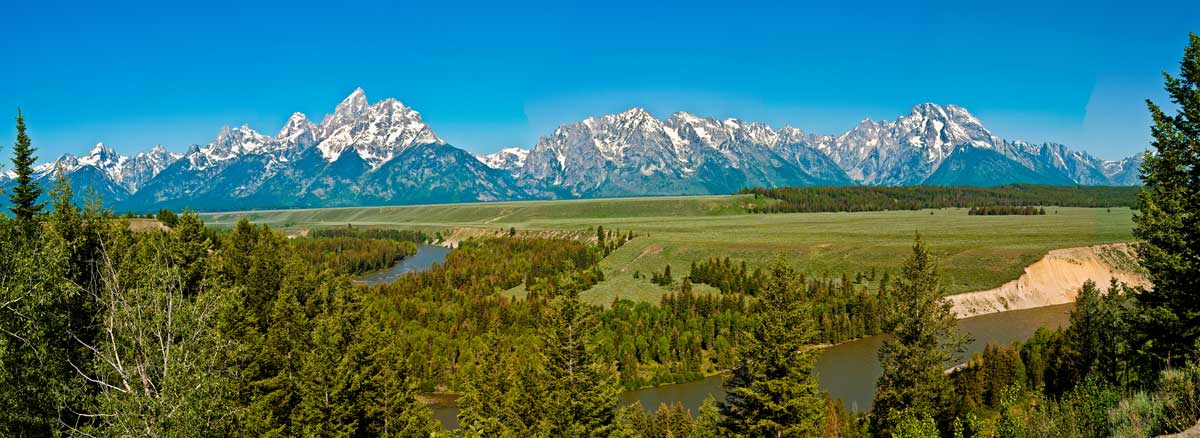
(1055, 279)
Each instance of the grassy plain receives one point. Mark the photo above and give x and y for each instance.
(977, 252)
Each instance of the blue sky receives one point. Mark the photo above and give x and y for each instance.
(489, 75)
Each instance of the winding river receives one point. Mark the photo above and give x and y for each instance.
(425, 257)
(848, 371)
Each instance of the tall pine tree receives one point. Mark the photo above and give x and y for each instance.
(582, 389)
(914, 385)
(1168, 225)
(772, 391)
(25, 195)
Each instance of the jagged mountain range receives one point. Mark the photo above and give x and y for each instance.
(384, 154)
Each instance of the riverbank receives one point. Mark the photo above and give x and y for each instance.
(1055, 279)
(425, 257)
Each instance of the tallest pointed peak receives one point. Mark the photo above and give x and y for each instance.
(102, 151)
(933, 109)
(636, 112)
(355, 102)
(948, 114)
(357, 95)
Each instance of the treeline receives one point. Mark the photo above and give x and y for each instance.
(352, 255)
(844, 309)
(371, 233)
(1006, 210)
(609, 240)
(727, 276)
(684, 338)
(875, 198)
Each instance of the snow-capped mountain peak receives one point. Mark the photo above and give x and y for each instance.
(790, 135)
(510, 159)
(354, 104)
(231, 143)
(909, 149)
(100, 156)
(298, 132)
(376, 132)
(633, 152)
(943, 127)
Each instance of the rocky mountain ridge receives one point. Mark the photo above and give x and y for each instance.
(384, 153)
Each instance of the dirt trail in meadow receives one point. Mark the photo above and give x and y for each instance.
(1055, 279)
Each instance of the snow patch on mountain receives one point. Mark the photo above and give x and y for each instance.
(509, 159)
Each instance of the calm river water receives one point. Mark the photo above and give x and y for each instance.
(848, 370)
(425, 257)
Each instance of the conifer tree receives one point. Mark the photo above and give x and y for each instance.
(914, 385)
(506, 396)
(1095, 341)
(25, 195)
(38, 314)
(388, 392)
(772, 391)
(66, 216)
(1168, 226)
(583, 391)
(708, 420)
(190, 251)
(482, 408)
(329, 383)
(278, 363)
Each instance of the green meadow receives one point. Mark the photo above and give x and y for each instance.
(977, 252)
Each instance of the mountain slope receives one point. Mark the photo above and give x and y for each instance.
(969, 166)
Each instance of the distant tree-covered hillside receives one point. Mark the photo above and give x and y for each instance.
(871, 198)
